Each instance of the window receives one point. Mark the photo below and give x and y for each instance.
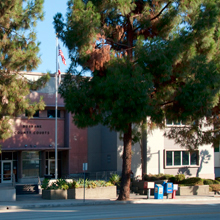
(185, 158)
(181, 158)
(169, 158)
(30, 164)
(177, 158)
(51, 113)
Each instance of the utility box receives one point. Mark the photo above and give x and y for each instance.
(158, 191)
(148, 185)
(168, 188)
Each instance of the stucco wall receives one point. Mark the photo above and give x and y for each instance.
(155, 146)
(136, 157)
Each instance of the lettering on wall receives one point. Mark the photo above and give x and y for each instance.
(32, 131)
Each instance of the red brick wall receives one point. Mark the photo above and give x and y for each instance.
(39, 132)
(78, 148)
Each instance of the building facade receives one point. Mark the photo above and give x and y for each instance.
(30, 152)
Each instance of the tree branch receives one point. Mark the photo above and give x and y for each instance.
(119, 44)
(156, 15)
(161, 11)
(10, 30)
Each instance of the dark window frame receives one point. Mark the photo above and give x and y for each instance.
(51, 113)
(171, 162)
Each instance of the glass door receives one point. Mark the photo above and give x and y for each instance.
(51, 168)
(6, 171)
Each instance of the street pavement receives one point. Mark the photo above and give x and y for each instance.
(32, 201)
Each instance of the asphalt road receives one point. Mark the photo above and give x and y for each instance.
(194, 210)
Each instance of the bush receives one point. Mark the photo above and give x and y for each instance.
(216, 181)
(166, 177)
(208, 182)
(151, 177)
(193, 181)
(217, 178)
(172, 179)
(179, 178)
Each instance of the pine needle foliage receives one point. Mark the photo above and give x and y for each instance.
(18, 52)
(148, 58)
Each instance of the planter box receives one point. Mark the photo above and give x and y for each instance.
(54, 194)
(108, 192)
(193, 190)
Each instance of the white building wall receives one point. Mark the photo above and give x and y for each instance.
(136, 157)
(206, 162)
(155, 146)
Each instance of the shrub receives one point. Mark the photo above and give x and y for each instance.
(166, 177)
(179, 178)
(217, 178)
(193, 181)
(208, 182)
(151, 177)
(216, 181)
(172, 179)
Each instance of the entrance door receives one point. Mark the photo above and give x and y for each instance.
(51, 170)
(6, 171)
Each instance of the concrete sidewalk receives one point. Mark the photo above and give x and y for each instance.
(35, 201)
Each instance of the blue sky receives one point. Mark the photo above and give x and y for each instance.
(46, 35)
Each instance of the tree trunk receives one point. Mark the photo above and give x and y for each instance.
(124, 193)
(143, 149)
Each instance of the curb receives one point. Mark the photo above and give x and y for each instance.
(91, 203)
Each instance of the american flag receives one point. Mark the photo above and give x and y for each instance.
(61, 54)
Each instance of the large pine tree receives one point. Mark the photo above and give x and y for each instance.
(147, 58)
(18, 52)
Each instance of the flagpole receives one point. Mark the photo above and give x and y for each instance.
(56, 87)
